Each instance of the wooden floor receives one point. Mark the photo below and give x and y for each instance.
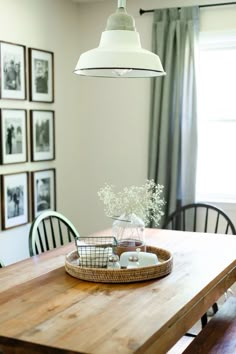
(182, 344)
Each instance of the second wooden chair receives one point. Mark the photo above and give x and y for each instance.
(50, 230)
(201, 217)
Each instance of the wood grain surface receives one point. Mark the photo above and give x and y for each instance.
(42, 307)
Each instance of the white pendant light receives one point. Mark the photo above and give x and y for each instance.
(119, 53)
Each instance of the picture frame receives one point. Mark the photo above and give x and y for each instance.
(43, 191)
(42, 126)
(12, 71)
(13, 136)
(41, 75)
(15, 199)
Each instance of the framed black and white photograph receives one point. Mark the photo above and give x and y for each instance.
(13, 136)
(13, 75)
(14, 200)
(41, 75)
(42, 135)
(43, 191)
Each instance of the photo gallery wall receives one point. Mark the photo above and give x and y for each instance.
(14, 140)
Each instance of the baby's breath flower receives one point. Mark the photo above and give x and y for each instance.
(144, 201)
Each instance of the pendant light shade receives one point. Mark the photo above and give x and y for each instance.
(119, 53)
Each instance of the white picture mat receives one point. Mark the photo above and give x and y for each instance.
(9, 51)
(14, 181)
(41, 97)
(39, 175)
(39, 117)
(12, 114)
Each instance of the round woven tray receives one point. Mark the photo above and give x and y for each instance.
(103, 275)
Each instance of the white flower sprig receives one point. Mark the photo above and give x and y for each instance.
(144, 201)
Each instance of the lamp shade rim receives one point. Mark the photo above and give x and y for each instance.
(118, 72)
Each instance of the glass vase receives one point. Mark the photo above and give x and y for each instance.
(129, 231)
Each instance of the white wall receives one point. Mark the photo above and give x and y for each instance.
(101, 124)
(50, 25)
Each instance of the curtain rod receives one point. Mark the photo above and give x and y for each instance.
(141, 11)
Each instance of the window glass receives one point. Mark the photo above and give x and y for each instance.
(216, 165)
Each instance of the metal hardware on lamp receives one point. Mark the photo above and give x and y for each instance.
(119, 53)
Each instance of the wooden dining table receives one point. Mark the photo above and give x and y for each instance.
(45, 310)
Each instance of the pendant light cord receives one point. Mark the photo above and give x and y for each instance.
(141, 11)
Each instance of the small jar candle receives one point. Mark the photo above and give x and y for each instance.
(113, 262)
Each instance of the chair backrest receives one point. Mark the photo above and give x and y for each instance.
(50, 230)
(200, 217)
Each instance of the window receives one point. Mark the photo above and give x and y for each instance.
(216, 165)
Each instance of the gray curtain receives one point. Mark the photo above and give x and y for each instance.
(173, 124)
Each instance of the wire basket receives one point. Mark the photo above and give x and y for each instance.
(94, 251)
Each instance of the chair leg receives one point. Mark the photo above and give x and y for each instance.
(187, 335)
(215, 308)
(204, 320)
